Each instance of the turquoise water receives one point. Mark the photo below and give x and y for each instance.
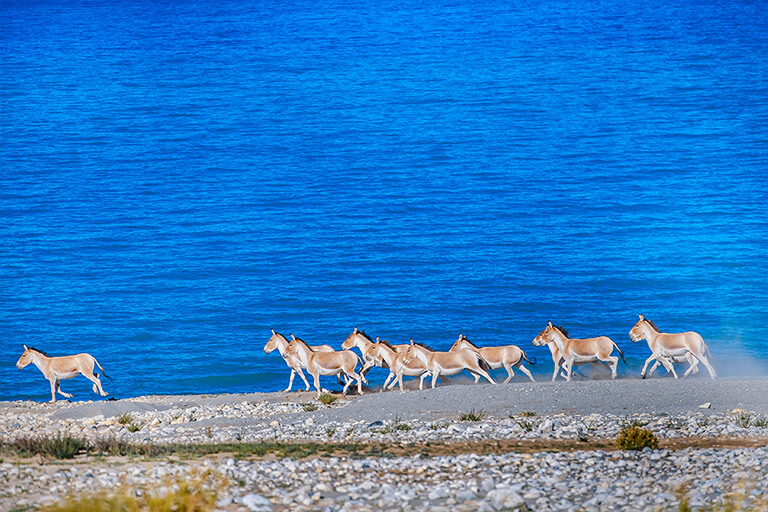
(178, 179)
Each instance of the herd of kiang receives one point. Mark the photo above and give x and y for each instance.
(417, 360)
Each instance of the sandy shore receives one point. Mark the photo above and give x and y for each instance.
(414, 451)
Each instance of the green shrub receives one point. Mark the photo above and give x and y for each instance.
(636, 438)
(134, 427)
(744, 420)
(309, 406)
(125, 419)
(526, 425)
(472, 416)
(327, 399)
(65, 447)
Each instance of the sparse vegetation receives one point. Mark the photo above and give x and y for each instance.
(739, 499)
(125, 419)
(309, 406)
(636, 438)
(472, 416)
(195, 494)
(744, 420)
(438, 426)
(134, 427)
(528, 413)
(526, 425)
(760, 422)
(327, 399)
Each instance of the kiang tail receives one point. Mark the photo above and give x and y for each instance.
(620, 352)
(525, 356)
(102, 369)
(483, 363)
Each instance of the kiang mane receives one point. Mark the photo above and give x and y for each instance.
(466, 340)
(423, 345)
(386, 344)
(562, 330)
(366, 336)
(652, 324)
(39, 351)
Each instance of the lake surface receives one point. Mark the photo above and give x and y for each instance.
(180, 177)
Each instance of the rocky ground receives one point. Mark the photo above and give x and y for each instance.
(419, 455)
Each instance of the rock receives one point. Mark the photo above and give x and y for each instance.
(256, 502)
(439, 493)
(504, 498)
(706, 405)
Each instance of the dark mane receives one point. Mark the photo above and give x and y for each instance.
(562, 330)
(652, 324)
(39, 351)
(366, 336)
(423, 345)
(386, 344)
(467, 340)
(301, 340)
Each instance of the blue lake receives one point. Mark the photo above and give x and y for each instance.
(180, 177)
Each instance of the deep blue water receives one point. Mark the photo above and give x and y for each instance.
(180, 177)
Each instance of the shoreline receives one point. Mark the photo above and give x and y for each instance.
(421, 450)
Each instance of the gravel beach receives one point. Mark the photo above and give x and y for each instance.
(541, 446)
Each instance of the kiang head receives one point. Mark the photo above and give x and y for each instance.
(371, 352)
(545, 336)
(25, 358)
(638, 332)
(459, 343)
(273, 341)
(292, 349)
(349, 343)
(410, 354)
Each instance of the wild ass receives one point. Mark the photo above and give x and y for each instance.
(394, 361)
(280, 342)
(63, 367)
(447, 363)
(557, 359)
(326, 363)
(505, 357)
(670, 348)
(574, 350)
(363, 342)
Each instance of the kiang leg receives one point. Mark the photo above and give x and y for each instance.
(656, 364)
(54, 387)
(510, 372)
(94, 377)
(525, 371)
(647, 362)
(557, 367)
(389, 377)
(668, 365)
(67, 395)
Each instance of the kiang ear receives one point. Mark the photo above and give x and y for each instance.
(25, 347)
(412, 342)
(292, 337)
(355, 331)
(273, 331)
(377, 339)
(549, 323)
(641, 317)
